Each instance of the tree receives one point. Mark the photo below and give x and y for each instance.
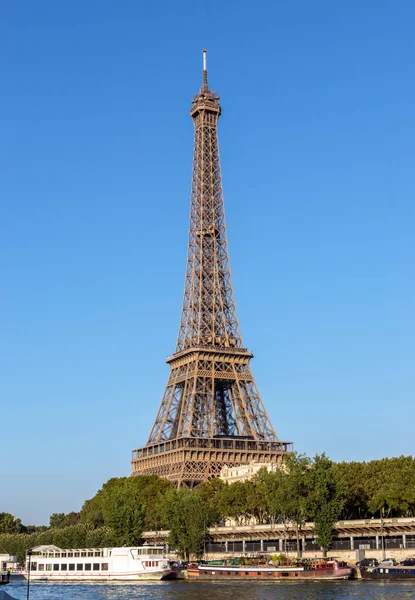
(257, 499)
(391, 486)
(232, 501)
(211, 494)
(123, 511)
(326, 499)
(290, 488)
(270, 481)
(9, 523)
(353, 480)
(63, 520)
(56, 520)
(188, 519)
(148, 490)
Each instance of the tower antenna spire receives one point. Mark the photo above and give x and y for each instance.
(205, 86)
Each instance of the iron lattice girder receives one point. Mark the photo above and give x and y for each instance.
(210, 391)
(209, 311)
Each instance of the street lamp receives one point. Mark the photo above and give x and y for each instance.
(29, 554)
(381, 533)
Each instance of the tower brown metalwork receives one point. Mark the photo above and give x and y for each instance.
(211, 413)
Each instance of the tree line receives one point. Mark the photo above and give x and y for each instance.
(302, 489)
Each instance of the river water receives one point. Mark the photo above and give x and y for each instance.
(221, 590)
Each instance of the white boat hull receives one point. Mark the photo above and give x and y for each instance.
(138, 576)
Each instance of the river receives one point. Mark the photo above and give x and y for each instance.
(221, 590)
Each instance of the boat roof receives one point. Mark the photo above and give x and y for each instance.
(52, 548)
(46, 548)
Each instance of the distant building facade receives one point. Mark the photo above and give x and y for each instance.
(7, 561)
(245, 472)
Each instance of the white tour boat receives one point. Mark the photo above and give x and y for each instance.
(50, 563)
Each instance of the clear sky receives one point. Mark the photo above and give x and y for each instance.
(317, 148)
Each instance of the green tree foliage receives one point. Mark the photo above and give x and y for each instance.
(394, 490)
(288, 490)
(210, 493)
(62, 520)
(232, 502)
(56, 520)
(188, 519)
(123, 510)
(9, 523)
(353, 480)
(145, 490)
(325, 499)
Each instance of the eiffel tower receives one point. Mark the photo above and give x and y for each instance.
(211, 414)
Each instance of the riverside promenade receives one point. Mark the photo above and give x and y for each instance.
(376, 537)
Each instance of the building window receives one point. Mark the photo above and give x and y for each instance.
(87, 566)
(79, 567)
(96, 567)
(72, 566)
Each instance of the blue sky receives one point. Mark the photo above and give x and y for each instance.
(317, 148)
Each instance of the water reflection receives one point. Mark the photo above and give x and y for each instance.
(221, 590)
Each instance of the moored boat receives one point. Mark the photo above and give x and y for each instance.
(388, 572)
(50, 563)
(311, 570)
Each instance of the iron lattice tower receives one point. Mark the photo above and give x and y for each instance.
(211, 414)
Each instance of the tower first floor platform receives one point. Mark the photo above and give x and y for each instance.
(189, 461)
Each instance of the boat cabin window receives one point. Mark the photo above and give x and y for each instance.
(57, 554)
(97, 553)
(90, 554)
(79, 567)
(96, 567)
(41, 567)
(149, 551)
(63, 555)
(48, 567)
(72, 566)
(83, 553)
(56, 566)
(104, 567)
(64, 567)
(76, 554)
(88, 566)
